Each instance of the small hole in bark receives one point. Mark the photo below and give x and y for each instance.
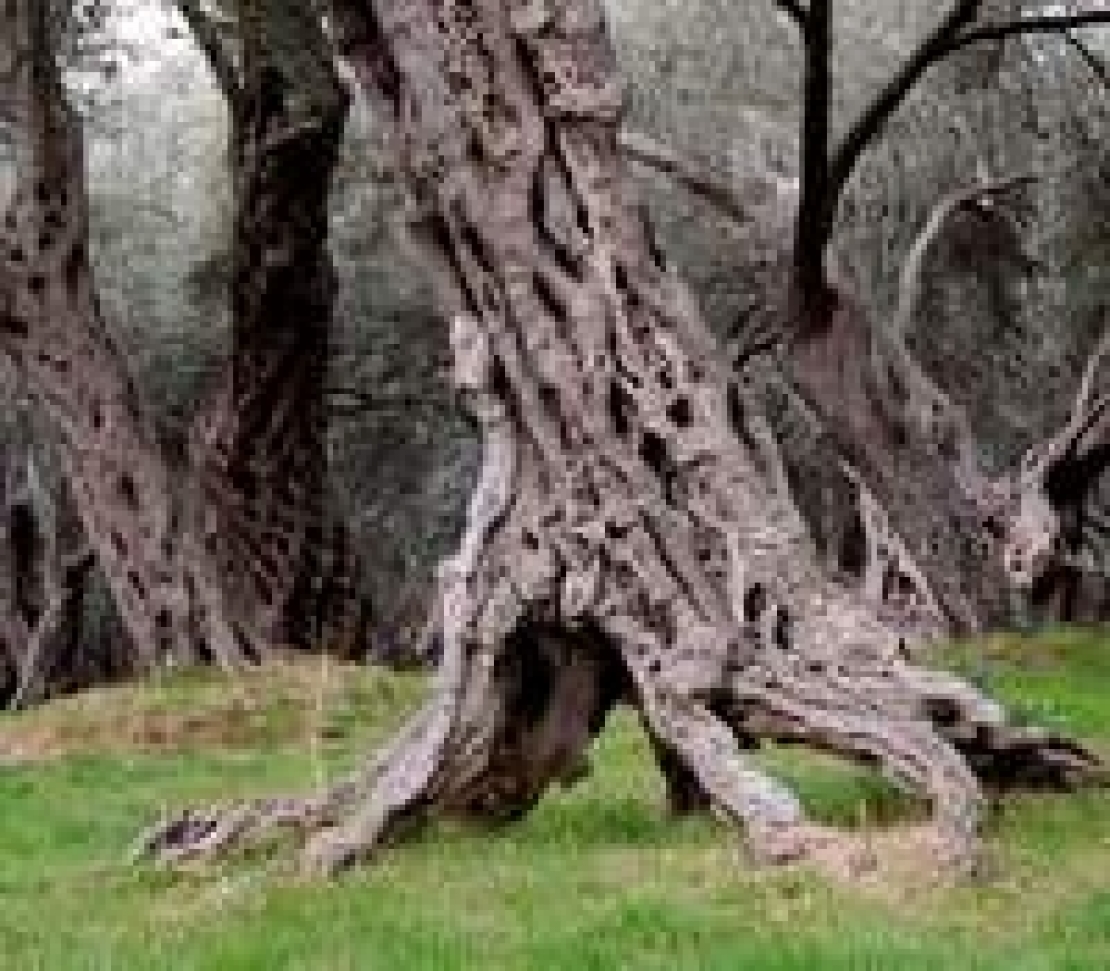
(128, 491)
(655, 666)
(781, 634)
(478, 248)
(680, 413)
(755, 602)
(653, 248)
(13, 325)
(620, 276)
(530, 540)
(163, 619)
(549, 397)
(37, 284)
(621, 406)
(547, 297)
(616, 530)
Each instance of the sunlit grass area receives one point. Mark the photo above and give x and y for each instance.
(597, 878)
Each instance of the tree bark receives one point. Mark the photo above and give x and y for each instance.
(53, 329)
(205, 562)
(45, 566)
(618, 516)
(258, 446)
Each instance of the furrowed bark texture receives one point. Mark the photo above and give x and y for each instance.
(43, 579)
(857, 417)
(621, 542)
(53, 329)
(258, 446)
(908, 444)
(205, 562)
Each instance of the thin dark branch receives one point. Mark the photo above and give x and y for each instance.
(210, 40)
(868, 126)
(811, 235)
(1099, 67)
(1027, 25)
(797, 12)
(950, 37)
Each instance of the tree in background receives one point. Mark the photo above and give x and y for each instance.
(203, 563)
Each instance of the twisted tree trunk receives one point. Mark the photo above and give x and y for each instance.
(53, 329)
(206, 562)
(622, 541)
(258, 445)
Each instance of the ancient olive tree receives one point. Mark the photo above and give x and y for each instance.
(258, 443)
(204, 562)
(632, 536)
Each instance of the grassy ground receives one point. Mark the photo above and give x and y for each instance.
(597, 878)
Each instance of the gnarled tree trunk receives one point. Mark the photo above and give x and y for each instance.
(258, 444)
(205, 562)
(622, 541)
(53, 329)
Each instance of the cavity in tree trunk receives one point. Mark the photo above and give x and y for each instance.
(622, 542)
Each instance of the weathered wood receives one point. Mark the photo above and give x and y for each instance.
(213, 561)
(257, 446)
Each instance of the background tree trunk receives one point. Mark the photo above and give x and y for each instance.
(212, 561)
(258, 446)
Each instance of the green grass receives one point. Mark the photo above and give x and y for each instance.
(597, 878)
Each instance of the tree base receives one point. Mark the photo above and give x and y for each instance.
(514, 731)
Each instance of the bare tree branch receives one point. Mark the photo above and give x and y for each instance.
(869, 124)
(797, 12)
(825, 178)
(1027, 25)
(1085, 410)
(1098, 66)
(947, 39)
(909, 286)
(812, 235)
